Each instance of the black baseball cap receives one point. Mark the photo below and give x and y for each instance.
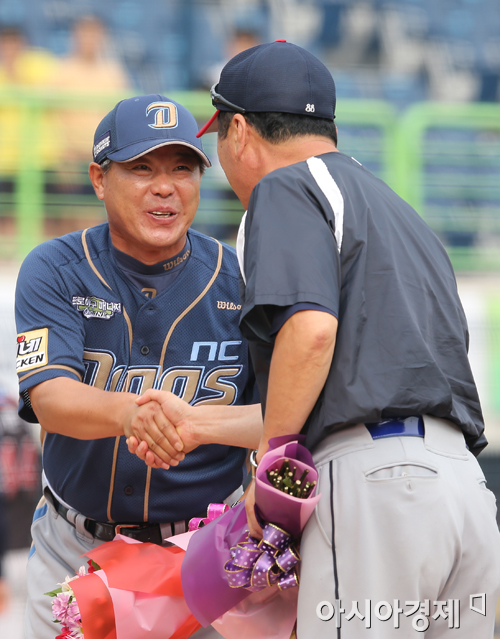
(143, 123)
(276, 77)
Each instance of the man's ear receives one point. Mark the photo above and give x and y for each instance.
(96, 175)
(240, 134)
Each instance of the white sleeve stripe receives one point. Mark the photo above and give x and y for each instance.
(330, 189)
(240, 246)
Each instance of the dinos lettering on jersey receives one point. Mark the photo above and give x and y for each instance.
(194, 384)
(32, 349)
(217, 380)
(98, 367)
(183, 381)
(95, 307)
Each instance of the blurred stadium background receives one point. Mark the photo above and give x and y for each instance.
(418, 86)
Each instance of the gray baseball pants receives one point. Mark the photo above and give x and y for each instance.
(403, 543)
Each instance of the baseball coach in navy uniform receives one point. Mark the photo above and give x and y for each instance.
(358, 339)
(107, 313)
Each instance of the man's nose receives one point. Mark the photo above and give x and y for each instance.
(162, 184)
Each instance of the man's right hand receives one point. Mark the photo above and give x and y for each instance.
(152, 436)
(177, 431)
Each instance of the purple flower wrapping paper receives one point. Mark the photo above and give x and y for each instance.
(204, 581)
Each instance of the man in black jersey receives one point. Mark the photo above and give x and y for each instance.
(359, 341)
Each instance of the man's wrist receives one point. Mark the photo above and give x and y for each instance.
(127, 408)
(196, 426)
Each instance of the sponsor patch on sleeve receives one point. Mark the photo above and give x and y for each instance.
(95, 307)
(32, 349)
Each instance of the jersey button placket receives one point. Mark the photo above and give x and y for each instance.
(144, 350)
(128, 490)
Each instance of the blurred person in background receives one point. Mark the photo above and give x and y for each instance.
(91, 70)
(21, 67)
(240, 40)
(19, 63)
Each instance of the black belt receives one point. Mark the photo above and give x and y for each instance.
(106, 532)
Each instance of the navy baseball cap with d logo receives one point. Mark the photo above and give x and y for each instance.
(144, 123)
(276, 77)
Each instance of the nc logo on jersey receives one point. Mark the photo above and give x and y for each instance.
(165, 115)
(95, 307)
(32, 351)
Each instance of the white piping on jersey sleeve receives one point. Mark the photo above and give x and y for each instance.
(327, 184)
(240, 246)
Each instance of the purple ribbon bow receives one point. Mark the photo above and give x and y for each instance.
(258, 564)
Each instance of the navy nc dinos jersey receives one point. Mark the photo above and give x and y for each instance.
(78, 316)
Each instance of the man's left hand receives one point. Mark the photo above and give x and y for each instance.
(254, 527)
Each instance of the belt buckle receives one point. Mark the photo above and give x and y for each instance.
(118, 527)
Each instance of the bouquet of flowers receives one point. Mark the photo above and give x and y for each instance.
(216, 574)
(65, 608)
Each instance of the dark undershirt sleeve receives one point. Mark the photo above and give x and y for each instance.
(278, 315)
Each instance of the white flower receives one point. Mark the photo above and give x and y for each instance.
(82, 571)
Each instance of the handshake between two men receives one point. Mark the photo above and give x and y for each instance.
(165, 428)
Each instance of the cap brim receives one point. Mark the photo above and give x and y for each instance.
(212, 126)
(137, 150)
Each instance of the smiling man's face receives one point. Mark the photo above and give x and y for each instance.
(151, 201)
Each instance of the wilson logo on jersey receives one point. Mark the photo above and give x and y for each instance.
(229, 306)
(32, 349)
(167, 266)
(95, 307)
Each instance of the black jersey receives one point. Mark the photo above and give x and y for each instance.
(326, 231)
